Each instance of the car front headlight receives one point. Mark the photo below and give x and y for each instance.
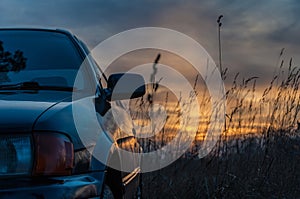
(16, 155)
(43, 154)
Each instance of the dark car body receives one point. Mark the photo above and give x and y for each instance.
(38, 68)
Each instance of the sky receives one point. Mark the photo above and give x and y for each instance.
(253, 32)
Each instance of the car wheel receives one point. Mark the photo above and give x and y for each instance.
(107, 193)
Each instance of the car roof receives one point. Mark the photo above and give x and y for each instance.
(64, 31)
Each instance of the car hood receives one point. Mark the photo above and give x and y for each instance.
(20, 110)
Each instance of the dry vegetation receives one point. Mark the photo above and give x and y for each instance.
(257, 156)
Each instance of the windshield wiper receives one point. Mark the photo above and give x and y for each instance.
(33, 86)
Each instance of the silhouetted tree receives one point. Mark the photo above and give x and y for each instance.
(10, 62)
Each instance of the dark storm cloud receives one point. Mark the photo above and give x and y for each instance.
(253, 31)
(287, 34)
(88, 18)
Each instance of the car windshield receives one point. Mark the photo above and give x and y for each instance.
(46, 57)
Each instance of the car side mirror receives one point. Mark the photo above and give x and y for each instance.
(125, 86)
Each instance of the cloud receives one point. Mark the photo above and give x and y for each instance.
(253, 32)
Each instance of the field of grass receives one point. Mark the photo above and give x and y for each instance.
(257, 155)
(254, 172)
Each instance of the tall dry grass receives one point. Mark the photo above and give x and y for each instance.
(257, 155)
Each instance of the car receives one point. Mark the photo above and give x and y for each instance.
(42, 152)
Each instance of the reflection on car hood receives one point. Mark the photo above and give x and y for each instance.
(20, 110)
